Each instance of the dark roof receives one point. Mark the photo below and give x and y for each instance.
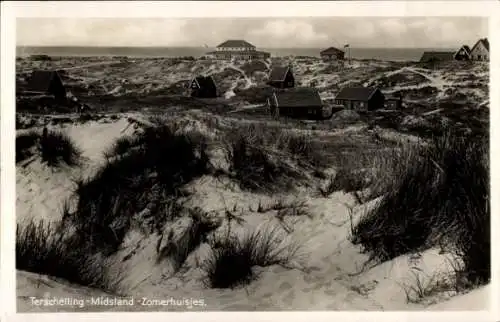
(485, 43)
(298, 97)
(278, 73)
(437, 55)
(356, 93)
(466, 48)
(237, 52)
(205, 81)
(331, 51)
(236, 43)
(40, 80)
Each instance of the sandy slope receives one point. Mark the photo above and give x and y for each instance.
(329, 273)
(327, 276)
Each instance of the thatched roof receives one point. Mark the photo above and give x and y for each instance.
(483, 41)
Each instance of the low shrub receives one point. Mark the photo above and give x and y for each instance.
(441, 195)
(232, 259)
(54, 148)
(140, 177)
(47, 249)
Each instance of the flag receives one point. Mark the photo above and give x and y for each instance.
(346, 46)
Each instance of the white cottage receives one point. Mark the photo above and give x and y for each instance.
(481, 50)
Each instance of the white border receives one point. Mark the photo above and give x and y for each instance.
(11, 10)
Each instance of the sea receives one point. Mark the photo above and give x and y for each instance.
(385, 54)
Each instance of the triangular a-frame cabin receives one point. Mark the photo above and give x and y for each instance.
(463, 53)
(281, 77)
(46, 82)
(203, 87)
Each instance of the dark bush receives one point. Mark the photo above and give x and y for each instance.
(232, 259)
(54, 148)
(50, 250)
(26, 145)
(443, 195)
(58, 147)
(135, 179)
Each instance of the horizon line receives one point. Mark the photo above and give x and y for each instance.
(177, 46)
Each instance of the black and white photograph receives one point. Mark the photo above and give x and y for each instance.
(337, 163)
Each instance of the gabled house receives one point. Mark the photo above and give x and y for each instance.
(332, 53)
(46, 82)
(481, 50)
(296, 102)
(203, 87)
(281, 77)
(463, 53)
(436, 56)
(360, 98)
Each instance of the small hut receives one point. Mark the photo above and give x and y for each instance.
(360, 98)
(296, 102)
(203, 87)
(463, 53)
(47, 83)
(281, 77)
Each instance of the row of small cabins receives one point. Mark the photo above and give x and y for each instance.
(242, 49)
(479, 52)
(286, 99)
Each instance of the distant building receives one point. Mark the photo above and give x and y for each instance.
(281, 77)
(436, 56)
(463, 53)
(46, 82)
(360, 98)
(203, 87)
(481, 50)
(296, 102)
(332, 53)
(237, 49)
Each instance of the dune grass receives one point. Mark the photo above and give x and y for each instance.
(48, 249)
(232, 260)
(26, 143)
(440, 194)
(54, 149)
(269, 158)
(142, 173)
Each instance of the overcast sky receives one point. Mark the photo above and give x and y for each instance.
(301, 32)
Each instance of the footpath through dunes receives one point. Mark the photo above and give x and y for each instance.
(327, 271)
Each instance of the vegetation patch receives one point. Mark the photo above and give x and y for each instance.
(141, 177)
(233, 259)
(48, 249)
(440, 195)
(54, 148)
